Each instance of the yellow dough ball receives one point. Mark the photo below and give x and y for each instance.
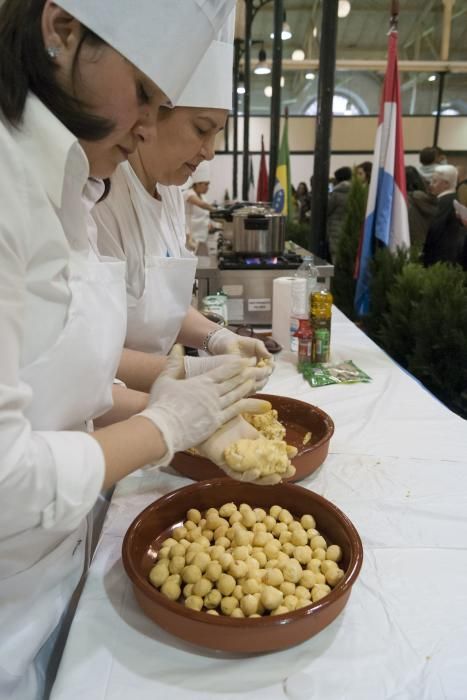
(292, 571)
(179, 532)
(202, 587)
(285, 516)
(302, 554)
(274, 511)
(287, 588)
(159, 573)
(227, 509)
(308, 579)
(176, 565)
(290, 602)
(271, 597)
(237, 612)
(273, 577)
(318, 542)
(213, 599)
(226, 584)
(171, 590)
(191, 573)
(188, 589)
(307, 522)
(334, 553)
(238, 569)
(212, 612)
(194, 602)
(228, 605)
(281, 610)
(194, 515)
(333, 576)
(213, 571)
(299, 537)
(202, 560)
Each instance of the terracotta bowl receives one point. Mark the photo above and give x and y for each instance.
(245, 635)
(299, 418)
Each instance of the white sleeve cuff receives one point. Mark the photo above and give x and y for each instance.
(80, 468)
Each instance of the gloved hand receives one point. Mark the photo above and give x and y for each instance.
(236, 429)
(193, 366)
(226, 342)
(187, 411)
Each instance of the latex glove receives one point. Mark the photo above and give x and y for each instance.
(193, 366)
(227, 342)
(189, 410)
(230, 432)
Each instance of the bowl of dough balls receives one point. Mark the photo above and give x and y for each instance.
(295, 431)
(242, 568)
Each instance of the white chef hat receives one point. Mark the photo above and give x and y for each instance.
(202, 173)
(211, 83)
(165, 39)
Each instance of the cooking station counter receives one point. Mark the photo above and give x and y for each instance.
(248, 281)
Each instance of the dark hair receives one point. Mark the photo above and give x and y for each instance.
(303, 186)
(367, 167)
(25, 66)
(427, 155)
(414, 180)
(343, 174)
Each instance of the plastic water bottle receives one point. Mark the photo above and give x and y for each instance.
(304, 283)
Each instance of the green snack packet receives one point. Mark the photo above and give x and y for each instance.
(321, 374)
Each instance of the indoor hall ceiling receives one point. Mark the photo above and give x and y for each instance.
(362, 34)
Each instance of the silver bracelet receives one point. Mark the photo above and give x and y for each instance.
(205, 345)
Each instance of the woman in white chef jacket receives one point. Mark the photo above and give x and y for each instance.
(197, 208)
(142, 221)
(62, 311)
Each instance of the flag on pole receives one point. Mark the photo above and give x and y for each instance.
(262, 193)
(251, 183)
(282, 196)
(386, 220)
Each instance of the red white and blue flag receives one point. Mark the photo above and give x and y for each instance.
(386, 221)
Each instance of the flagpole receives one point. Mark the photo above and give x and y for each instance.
(246, 98)
(319, 191)
(276, 94)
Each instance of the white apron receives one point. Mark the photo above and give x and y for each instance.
(71, 383)
(155, 318)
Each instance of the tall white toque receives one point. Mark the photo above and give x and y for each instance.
(211, 83)
(165, 39)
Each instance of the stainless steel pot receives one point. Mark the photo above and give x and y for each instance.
(258, 230)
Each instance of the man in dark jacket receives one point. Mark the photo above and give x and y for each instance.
(336, 209)
(446, 235)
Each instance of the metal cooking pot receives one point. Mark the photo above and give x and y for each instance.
(258, 230)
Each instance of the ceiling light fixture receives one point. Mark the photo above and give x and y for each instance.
(286, 31)
(310, 76)
(262, 67)
(282, 81)
(298, 55)
(241, 90)
(315, 32)
(343, 8)
(432, 78)
(268, 90)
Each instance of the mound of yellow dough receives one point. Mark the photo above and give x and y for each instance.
(267, 424)
(266, 456)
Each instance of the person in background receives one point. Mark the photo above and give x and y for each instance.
(80, 85)
(422, 206)
(461, 192)
(336, 209)
(303, 202)
(197, 210)
(429, 158)
(446, 235)
(363, 172)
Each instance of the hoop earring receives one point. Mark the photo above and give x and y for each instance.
(52, 52)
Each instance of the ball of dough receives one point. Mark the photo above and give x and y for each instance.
(249, 605)
(171, 590)
(260, 514)
(227, 509)
(269, 522)
(212, 612)
(290, 602)
(238, 569)
(288, 548)
(237, 612)
(228, 605)
(302, 554)
(240, 553)
(271, 597)
(314, 565)
(285, 536)
(308, 579)
(179, 532)
(317, 594)
(202, 587)
(320, 578)
(318, 542)
(213, 571)
(194, 602)
(302, 592)
(202, 560)
(274, 511)
(333, 576)
(177, 550)
(260, 557)
(250, 586)
(223, 542)
(319, 553)
(188, 589)
(287, 588)
(191, 573)
(226, 584)
(278, 528)
(273, 577)
(208, 534)
(176, 565)
(238, 592)
(281, 610)
(159, 573)
(272, 549)
(213, 521)
(225, 560)
(334, 553)
(248, 518)
(307, 522)
(299, 537)
(163, 553)
(212, 599)
(194, 515)
(285, 516)
(292, 571)
(235, 518)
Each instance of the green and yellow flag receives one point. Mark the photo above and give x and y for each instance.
(282, 195)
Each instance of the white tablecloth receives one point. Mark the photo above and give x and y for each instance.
(398, 468)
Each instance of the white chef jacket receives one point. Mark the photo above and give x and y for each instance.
(49, 479)
(123, 235)
(43, 173)
(150, 236)
(197, 219)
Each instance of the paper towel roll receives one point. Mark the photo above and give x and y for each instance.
(281, 309)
